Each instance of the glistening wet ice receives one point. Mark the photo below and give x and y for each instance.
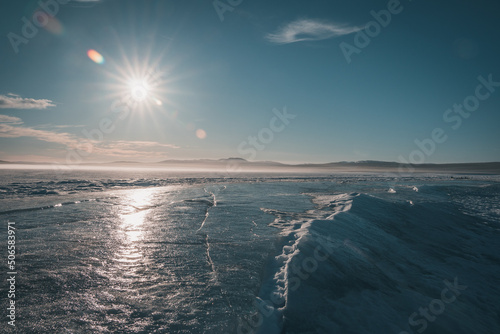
(134, 253)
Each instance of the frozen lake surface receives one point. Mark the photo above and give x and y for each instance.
(144, 252)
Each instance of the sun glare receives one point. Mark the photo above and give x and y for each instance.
(138, 82)
(139, 90)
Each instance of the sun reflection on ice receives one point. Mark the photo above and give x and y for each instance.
(136, 206)
(132, 225)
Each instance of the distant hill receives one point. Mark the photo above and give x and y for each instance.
(223, 162)
(343, 166)
(123, 162)
(479, 167)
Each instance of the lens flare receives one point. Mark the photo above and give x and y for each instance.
(95, 56)
(48, 22)
(54, 26)
(201, 134)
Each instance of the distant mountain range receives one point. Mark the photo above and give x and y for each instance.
(233, 164)
(366, 165)
(226, 161)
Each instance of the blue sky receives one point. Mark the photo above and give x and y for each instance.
(177, 82)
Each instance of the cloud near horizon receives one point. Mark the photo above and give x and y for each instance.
(10, 119)
(10, 128)
(309, 30)
(14, 101)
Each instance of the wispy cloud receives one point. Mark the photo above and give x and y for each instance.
(132, 149)
(309, 30)
(14, 101)
(10, 131)
(10, 127)
(61, 126)
(141, 144)
(10, 119)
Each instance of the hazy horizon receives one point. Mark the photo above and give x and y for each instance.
(218, 160)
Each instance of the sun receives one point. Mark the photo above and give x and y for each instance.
(139, 83)
(139, 90)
